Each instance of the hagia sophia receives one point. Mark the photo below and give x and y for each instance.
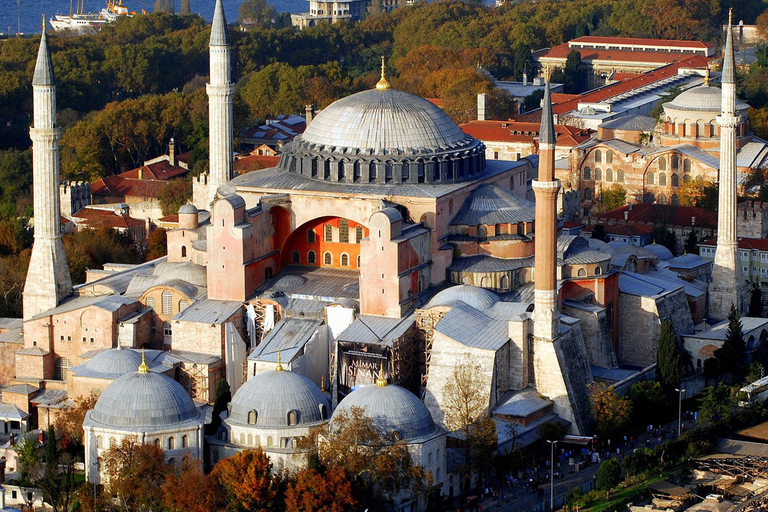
(382, 250)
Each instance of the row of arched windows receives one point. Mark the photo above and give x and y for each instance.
(167, 303)
(675, 163)
(327, 258)
(583, 272)
(170, 443)
(661, 179)
(599, 156)
(343, 233)
(292, 418)
(608, 174)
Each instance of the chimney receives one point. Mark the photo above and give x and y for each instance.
(693, 221)
(630, 206)
(626, 215)
(482, 106)
(525, 78)
(309, 113)
(141, 172)
(172, 152)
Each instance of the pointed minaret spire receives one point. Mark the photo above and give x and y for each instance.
(546, 317)
(220, 111)
(48, 280)
(728, 286)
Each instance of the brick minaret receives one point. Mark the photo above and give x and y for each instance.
(220, 117)
(48, 280)
(546, 317)
(728, 285)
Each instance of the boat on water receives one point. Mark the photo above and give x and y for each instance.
(89, 23)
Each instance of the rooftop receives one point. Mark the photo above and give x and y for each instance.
(523, 132)
(653, 213)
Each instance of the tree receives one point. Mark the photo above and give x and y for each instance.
(190, 490)
(248, 483)
(157, 244)
(665, 237)
(256, 14)
(613, 197)
(732, 355)
(717, 404)
(755, 301)
(608, 474)
(312, 491)
(756, 371)
(692, 243)
(465, 409)
(92, 248)
(174, 195)
(69, 424)
(533, 100)
(610, 411)
(222, 397)
(27, 460)
(135, 474)
(647, 399)
(669, 360)
(552, 431)
(58, 479)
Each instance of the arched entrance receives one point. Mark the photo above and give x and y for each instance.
(325, 242)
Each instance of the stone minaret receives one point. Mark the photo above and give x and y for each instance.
(546, 317)
(48, 280)
(728, 285)
(220, 118)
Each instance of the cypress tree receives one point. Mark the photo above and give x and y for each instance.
(755, 301)
(731, 355)
(669, 369)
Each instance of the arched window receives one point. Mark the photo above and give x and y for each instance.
(293, 418)
(687, 178)
(340, 174)
(587, 194)
(112, 442)
(311, 259)
(328, 233)
(326, 169)
(61, 368)
(183, 304)
(662, 179)
(598, 156)
(167, 303)
(429, 458)
(295, 257)
(343, 231)
(185, 441)
(582, 272)
(388, 172)
(662, 164)
(405, 173)
(620, 175)
(250, 439)
(358, 234)
(675, 162)
(357, 173)
(662, 199)
(327, 258)
(608, 156)
(314, 168)
(158, 443)
(358, 261)
(675, 180)
(171, 443)
(609, 174)
(372, 172)
(504, 282)
(242, 438)
(269, 440)
(257, 440)
(598, 270)
(252, 415)
(587, 173)
(598, 174)
(183, 251)
(650, 178)
(674, 200)
(167, 331)
(99, 442)
(344, 259)
(311, 238)
(151, 302)
(686, 165)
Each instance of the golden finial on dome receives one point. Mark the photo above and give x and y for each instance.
(381, 381)
(706, 76)
(279, 362)
(382, 84)
(730, 16)
(143, 368)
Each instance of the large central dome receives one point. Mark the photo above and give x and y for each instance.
(385, 119)
(384, 137)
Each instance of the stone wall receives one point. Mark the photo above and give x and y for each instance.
(595, 328)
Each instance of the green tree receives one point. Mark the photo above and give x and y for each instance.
(716, 406)
(648, 400)
(523, 63)
(222, 397)
(756, 371)
(552, 431)
(610, 411)
(732, 355)
(28, 464)
(669, 361)
(692, 243)
(608, 474)
(58, 479)
(613, 197)
(755, 301)
(256, 14)
(533, 100)
(174, 195)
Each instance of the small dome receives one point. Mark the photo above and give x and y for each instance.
(273, 394)
(186, 271)
(114, 363)
(392, 409)
(142, 400)
(659, 251)
(187, 208)
(479, 298)
(703, 99)
(289, 282)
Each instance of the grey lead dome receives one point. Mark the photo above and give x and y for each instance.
(392, 409)
(143, 400)
(273, 394)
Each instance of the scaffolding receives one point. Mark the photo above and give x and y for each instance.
(426, 320)
(260, 308)
(194, 378)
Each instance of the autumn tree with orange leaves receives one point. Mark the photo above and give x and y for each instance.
(176, 491)
(248, 483)
(312, 491)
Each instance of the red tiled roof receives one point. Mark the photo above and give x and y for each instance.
(519, 131)
(626, 41)
(128, 184)
(749, 244)
(174, 217)
(662, 213)
(628, 229)
(435, 101)
(184, 157)
(162, 170)
(97, 218)
(255, 162)
(628, 85)
(571, 225)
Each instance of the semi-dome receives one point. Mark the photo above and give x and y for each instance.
(393, 410)
(141, 400)
(272, 395)
(479, 298)
(384, 136)
(703, 98)
(185, 271)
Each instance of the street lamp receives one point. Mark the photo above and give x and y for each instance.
(679, 409)
(552, 475)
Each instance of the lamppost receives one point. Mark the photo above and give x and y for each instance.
(679, 409)
(552, 475)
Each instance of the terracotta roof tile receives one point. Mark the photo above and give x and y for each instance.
(676, 43)
(97, 218)
(255, 162)
(128, 184)
(655, 213)
(519, 131)
(750, 244)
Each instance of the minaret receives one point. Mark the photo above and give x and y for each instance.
(546, 317)
(728, 285)
(48, 280)
(220, 117)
